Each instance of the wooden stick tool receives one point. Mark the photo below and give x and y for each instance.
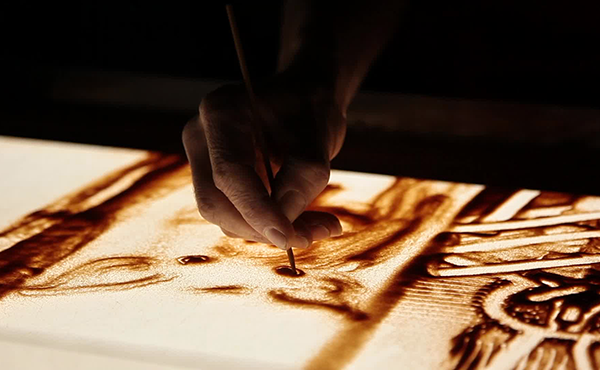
(257, 130)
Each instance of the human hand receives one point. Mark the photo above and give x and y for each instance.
(303, 131)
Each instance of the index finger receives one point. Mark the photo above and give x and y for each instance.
(225, 117)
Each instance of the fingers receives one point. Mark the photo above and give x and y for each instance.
(312, 225)
(217, 209)
(259, 239)
(303, 175)
(315, 138)
(212, 203)
(232, 159)
(321, 225)
(245, 190)
(231, 194)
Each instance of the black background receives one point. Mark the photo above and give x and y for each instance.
(531, 52)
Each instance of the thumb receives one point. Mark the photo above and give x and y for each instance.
(313, 141)
(298, 183)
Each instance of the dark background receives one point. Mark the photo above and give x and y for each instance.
(497, 92)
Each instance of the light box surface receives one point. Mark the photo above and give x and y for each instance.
(105, 261)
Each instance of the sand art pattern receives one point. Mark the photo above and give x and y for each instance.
(540, 307)
(515, 270)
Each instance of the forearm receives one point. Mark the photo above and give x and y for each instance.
(329, 45)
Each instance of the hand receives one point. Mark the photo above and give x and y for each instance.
(303, 131)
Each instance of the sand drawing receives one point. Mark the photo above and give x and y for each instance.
(520, 265)
(540, 308)
(47, 236)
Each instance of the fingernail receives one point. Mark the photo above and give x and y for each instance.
(337, 230)
(276, 237)
(319, 232)
(292, 204)
(300, 242)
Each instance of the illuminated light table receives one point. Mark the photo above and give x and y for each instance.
(105, 262)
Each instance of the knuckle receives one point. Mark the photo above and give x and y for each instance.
(190, 131)
(211, 106)
(214, 100)
(223, 101)
(315, 174)
(251, 210)
(251, 206)
(222, 177)
(233, 179)
(206, 109)
(186, 132)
